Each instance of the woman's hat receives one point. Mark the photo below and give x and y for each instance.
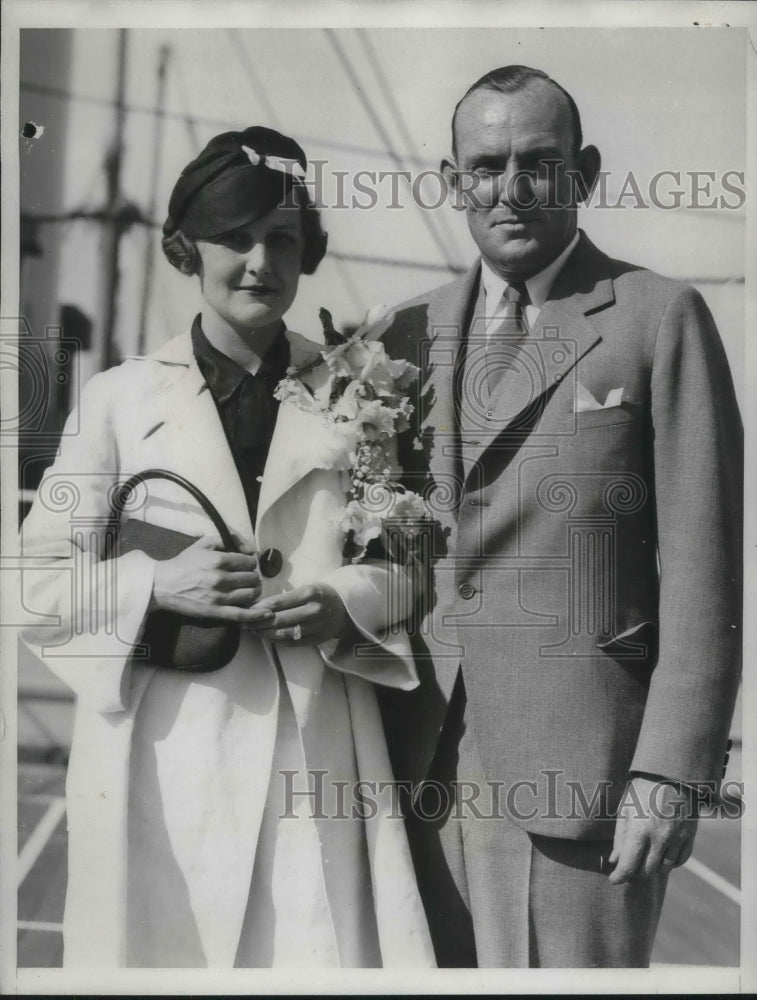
(237, 178)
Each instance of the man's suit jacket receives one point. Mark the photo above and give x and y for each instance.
(586, 566)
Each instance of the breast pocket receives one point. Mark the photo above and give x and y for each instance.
(623, 414)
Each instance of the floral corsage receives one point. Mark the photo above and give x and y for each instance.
(362, 397)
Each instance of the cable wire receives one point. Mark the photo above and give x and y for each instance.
(255, 83)
(384, 137)
(180, 116)
(399, 121)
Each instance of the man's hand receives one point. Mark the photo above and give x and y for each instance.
(316, 608)
(205, 582)
(655, 830)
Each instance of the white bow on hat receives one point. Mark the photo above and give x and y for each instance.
(275, 163)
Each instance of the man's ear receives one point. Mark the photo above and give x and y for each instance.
(454, 187)
(589, 163)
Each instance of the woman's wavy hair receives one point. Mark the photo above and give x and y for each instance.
(181, 250)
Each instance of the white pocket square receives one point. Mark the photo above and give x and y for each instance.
(585, 400)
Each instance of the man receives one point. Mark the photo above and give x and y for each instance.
(577, 435)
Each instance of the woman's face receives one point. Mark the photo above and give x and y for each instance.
(249, 275)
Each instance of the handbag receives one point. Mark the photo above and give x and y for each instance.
(168, 638)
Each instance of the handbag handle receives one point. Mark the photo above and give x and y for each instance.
(171, 639)
(123, 491)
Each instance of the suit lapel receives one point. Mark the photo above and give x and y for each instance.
(448, 317)
(555, 344)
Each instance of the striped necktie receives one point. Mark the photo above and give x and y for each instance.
(504, 340)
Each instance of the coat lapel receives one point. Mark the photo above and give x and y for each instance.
(186, 430)
(302, 440)
(185, 415)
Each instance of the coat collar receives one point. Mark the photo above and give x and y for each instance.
(585, 282)
(193, 442)
(178, 350)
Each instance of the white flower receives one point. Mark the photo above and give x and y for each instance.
(409, 508)
(404, 411)
(354, 359)
(350, 402)
(376, 320)
(290, 390)
(377, 419)
(366, 362)
(350, 433)
(337, 361)
(364, 524)
(371, 358)
(403, 373)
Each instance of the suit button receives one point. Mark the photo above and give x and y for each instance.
(466, 591)
(270, 562)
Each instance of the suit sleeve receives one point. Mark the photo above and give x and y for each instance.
(83, 614)
(698, 462)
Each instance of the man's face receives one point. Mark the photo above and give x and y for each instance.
(521, 208)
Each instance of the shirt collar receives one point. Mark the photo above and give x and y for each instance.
(223, 375)
(538, 285)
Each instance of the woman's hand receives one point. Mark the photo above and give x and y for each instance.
(316, 608)
(205, 582)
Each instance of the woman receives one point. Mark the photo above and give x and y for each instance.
(212, 816)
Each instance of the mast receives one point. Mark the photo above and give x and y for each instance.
(112, 223)
(157, 147)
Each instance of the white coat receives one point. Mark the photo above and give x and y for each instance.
(86, 616)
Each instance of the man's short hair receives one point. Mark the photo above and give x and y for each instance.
(508, 80)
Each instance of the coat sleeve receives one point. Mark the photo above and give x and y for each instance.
(378, 595)
(378, 598)
(83, 614)
(698, 463)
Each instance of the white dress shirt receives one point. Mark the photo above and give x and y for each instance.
(538, 286)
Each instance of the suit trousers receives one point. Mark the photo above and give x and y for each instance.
(499, 897)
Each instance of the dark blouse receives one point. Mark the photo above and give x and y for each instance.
(245, 404)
